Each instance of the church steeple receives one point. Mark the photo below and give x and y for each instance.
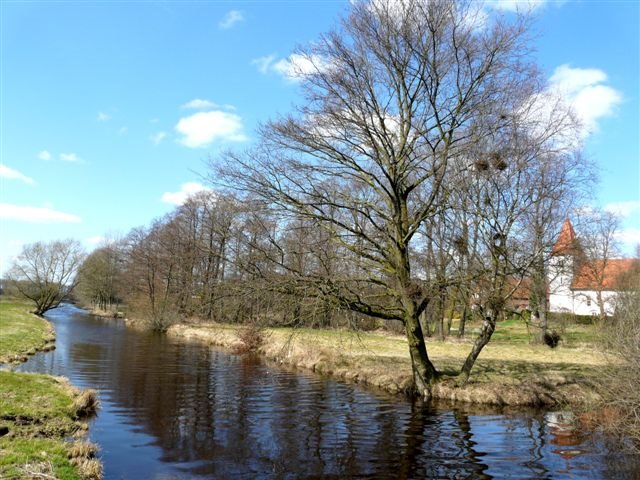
(566, 244)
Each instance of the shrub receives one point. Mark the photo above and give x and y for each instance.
(567, 318)
(251, 339)
(621, 380)
(86, 404)
(551, 338)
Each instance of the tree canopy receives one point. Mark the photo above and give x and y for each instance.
(415, 113)
(45, 273)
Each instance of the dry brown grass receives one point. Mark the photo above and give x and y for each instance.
(505, 374)
(82, 449)
(38, 470)
(251, 339)
(82, 456)
(620, 412)
(90, 469)
(86, 403)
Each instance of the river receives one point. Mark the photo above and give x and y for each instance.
(177, 410)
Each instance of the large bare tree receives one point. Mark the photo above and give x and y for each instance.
(45, 273)
(394, 101)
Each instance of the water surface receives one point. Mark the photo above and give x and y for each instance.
(176, 410)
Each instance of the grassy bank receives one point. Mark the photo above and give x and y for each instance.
(22, 333)
(510, 371)
(40, 413)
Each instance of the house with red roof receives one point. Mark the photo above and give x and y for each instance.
(577, 284)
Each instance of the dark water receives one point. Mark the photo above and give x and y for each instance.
(177, 410)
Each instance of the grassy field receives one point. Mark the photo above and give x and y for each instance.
(38, 413)
(21, 333)
(509, 371)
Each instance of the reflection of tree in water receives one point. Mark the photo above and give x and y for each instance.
(525, 442)
(440, 445)
(619, 463)
(218, 414)
(221, 416)
(534, 429)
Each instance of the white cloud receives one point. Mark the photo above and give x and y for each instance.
(476, 17)
(95, 241)
(630, 239)
(623, 209)
(11, 174)
(35, 214)
(70, 157)
(199, 104)
(263, 63)
(585, 91)
(293, 68)
(154, 120)
(203, 128)
(157, 138)
(297, 66)
(230, 19)
(575, 100)
(517, 5)
(99, 241)
(44, 155)
(103, 117)
(122, 130)
(186, 190)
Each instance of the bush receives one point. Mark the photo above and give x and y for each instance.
(251, 339)
(551, 338)
(567, 318)
(621, 380)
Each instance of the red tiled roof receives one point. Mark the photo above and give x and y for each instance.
(607, 273)
(566, 243)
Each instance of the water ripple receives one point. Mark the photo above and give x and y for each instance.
(173, 410)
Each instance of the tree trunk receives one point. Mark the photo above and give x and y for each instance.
(449, 321)
(603, 314)
(463, 321)
(488, 327)
(544, 321)
(424, 373)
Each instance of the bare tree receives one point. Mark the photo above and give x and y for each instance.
(394, 101)
(600, 247)
(152, 272)
(622, 377)
(45, 273)
(563, 182)
(99, 277)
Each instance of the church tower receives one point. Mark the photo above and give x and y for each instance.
(564, 258)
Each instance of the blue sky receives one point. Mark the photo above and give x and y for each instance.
(109, 110)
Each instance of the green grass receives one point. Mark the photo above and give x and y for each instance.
(39, 411)
(21, 332)
(26, 458)
(517, 332)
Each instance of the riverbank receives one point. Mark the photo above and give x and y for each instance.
(39, 413)
(508, 372)
(22, 334)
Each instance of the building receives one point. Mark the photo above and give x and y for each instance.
(574, 282)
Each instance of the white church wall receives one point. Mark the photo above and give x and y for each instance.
(586, 302)
(581, 302)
